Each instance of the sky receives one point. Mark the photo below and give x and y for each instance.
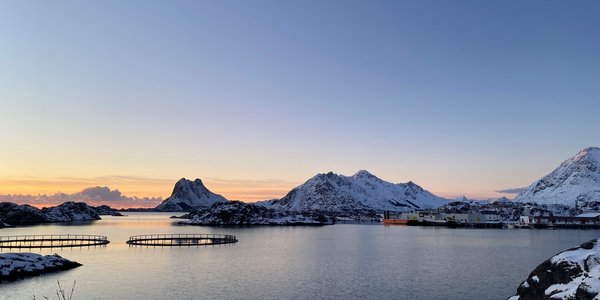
(255, 97)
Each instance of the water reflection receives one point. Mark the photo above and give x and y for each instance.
(339, 261)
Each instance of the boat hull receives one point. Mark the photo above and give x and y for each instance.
(394, 222)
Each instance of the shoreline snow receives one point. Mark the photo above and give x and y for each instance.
(20, 265)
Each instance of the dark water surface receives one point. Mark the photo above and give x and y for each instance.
(339, 261)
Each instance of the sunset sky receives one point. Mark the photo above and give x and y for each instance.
(255, 97)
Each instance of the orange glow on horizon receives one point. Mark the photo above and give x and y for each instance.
(243, 190)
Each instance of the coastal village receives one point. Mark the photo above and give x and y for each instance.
(493, 219)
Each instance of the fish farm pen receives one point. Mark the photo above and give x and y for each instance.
(180, 240)
(52, 241)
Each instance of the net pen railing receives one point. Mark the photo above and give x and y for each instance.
(181, 239)
(52, 240)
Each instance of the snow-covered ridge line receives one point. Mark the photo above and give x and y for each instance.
(362, 191)
(18, 265)
(575, 182)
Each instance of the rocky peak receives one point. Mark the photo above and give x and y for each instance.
(589, 153)
(189, 195)
(363, 174)
(185, 186)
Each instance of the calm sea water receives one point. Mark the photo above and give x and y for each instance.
(339, 261)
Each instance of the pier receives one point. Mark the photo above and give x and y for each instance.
(52, 241)
(179, 240)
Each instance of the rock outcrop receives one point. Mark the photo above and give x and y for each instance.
(237, 213)
(15, 214)
(18, 265)
(573, 274)
(105, 210)
(188, 196)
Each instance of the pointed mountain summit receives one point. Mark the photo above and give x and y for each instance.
(363, 190)
(188, 196)
(576, 180)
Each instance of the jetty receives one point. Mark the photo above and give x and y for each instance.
(52, 241)
(179, 240)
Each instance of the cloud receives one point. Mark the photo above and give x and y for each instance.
(511, 191)
(130, 185)
(101, 193)
(97, 195)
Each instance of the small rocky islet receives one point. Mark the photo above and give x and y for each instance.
(236, 213)
(12, 214)
(19, 265)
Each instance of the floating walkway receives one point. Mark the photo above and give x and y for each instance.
(178, 240)
(52, 241)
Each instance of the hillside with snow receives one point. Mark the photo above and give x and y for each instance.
(238, 213)
(575, 180)
(361, 191)
(189, 195)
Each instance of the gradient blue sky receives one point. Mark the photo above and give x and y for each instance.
(462, 97)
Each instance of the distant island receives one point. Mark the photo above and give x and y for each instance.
(12, 214)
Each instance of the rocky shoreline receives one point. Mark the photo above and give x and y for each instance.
(19, 265)
(12, 214)
(573, 274)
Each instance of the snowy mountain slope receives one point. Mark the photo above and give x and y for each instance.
(333, 192)
(576, 179)
(189, 195)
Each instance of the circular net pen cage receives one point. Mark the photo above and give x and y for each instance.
(181, 240)
(52, 241)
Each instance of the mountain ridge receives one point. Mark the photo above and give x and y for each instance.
(575, 182)
(363, 190)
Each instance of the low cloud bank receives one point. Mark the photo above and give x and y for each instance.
(98, 195)
(511, 191)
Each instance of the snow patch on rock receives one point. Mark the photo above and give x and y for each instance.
(240, 214)
(571, 274)
(17, 265)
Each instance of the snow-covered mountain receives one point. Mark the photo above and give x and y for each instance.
(576, 179)
(333, 192)
(189, 195)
